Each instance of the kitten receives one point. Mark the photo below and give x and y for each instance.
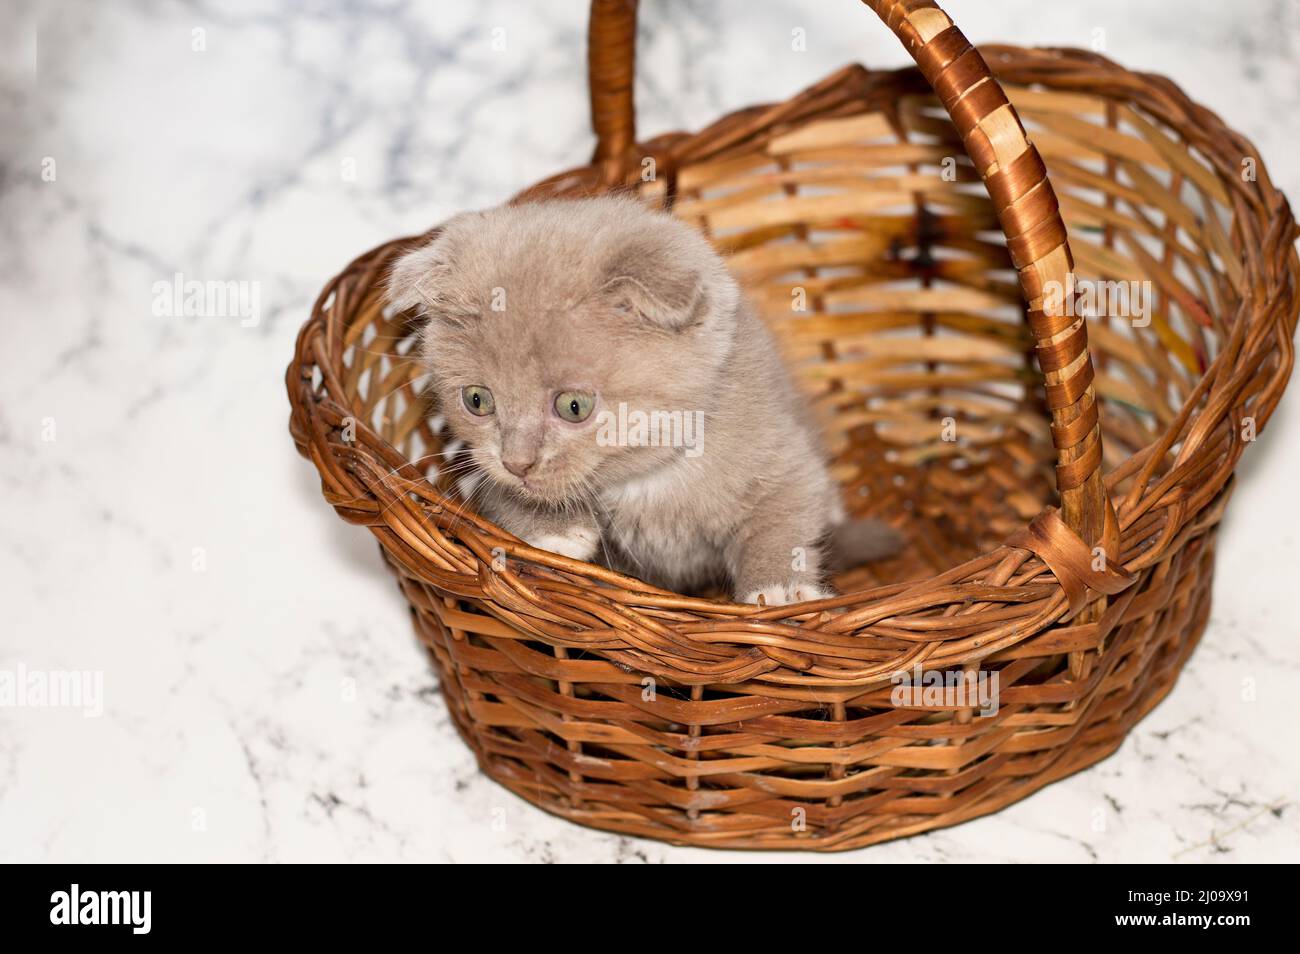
(555, 329)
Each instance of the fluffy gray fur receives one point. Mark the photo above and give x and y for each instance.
(606, 298)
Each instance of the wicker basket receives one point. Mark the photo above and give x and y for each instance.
(702, 722)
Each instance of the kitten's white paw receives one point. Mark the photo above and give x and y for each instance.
(578, 543)
(784, 594)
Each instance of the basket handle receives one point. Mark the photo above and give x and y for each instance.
(1017, 183)
(611, 65)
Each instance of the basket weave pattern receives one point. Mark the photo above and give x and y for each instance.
(956, 406)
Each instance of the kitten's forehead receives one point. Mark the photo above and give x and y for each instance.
(523, 273)
(552, 345)
(537, 343)
(573, 243)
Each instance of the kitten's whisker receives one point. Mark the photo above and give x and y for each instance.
(455, 468)
(588, 495)
(401, 358)
(412, 463)
(405, 384)
(467, 502)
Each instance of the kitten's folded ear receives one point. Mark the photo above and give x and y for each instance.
(416, 278)
(668, 284)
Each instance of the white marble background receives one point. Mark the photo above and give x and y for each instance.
(227, 732)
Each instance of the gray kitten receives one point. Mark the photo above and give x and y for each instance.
(621, 403)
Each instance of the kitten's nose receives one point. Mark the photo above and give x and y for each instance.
(519, 467)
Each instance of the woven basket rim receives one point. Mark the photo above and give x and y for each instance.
(691, 626)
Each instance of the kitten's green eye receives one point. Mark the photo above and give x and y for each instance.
(478, 400)
(574, 406)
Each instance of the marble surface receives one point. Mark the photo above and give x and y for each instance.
(263, 697)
